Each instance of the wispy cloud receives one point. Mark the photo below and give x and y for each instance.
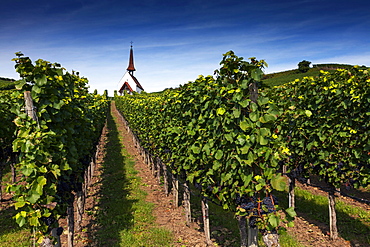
(175, 41)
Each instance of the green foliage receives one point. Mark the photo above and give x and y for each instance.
(6, 84)
(7, 127)
(211, 131)
(304, 66)
(54, 149)
(326, 123)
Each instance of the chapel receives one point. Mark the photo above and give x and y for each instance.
(128, 82)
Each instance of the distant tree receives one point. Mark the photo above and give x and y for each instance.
(304, 66)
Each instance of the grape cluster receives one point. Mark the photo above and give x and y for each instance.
(59, 231)
(270, 203)
(256, 207)
(198, 186)
(48, 220)
(64, 192)
(298, 171)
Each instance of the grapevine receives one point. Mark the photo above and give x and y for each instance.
(54, 148)
(213, 132)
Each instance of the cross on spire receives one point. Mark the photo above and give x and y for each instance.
(131, 67)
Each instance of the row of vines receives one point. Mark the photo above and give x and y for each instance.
(232, 142)
(7, 157)
(224, 138)
(55, 139)
(326, 124)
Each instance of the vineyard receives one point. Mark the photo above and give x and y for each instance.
(235, 146)
(50, 140)
(236, 143)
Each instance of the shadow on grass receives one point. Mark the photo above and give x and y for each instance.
(223, 224)
(7, 223)
(115, 212)
(10, 233)
(315, 211)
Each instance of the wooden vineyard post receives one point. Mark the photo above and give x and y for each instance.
(175, 190)
(80, 209)
(29, 105)
(205, 212)
(291, 192)
(158, 166)
(92, 168)
(187, 203)
(12, 166)
(147, 159)
(85, 184)
(88, 175)
(253, 92)
(242, 230)
(165, 178)
(56, 235)
(92, 164)
(70, 221)
(151, 164)
(252, 236)
(332, 214)
(1, 177)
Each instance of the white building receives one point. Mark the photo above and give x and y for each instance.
(128, 82)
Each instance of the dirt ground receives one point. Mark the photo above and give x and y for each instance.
(170, 217)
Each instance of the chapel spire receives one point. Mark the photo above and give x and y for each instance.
(131, 67)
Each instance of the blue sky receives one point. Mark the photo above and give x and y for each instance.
(175, 41)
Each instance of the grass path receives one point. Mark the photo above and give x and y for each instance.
(124, 216)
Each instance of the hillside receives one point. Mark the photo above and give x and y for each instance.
(279, 78)
(6, 83)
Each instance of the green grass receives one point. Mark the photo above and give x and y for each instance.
(11, 235)
(279, 78)
(123, 215)
(353, 222)
(6, 84)
(287, 76)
